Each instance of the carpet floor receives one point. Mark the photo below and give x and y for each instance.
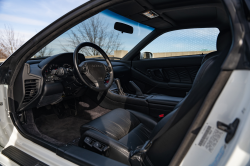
(67, 129)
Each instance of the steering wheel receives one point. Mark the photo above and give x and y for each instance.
(93, 73)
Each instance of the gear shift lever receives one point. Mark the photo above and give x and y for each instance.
(118, 84)
(138, 91)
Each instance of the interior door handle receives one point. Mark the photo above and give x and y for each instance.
(165, 77)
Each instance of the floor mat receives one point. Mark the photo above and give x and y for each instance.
(67, 129)
(63, 130)
(32, 129)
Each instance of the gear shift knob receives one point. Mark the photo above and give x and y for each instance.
(118, 84)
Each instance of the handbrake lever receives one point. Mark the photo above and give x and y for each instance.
(138, 91)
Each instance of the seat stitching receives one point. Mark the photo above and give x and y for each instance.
(129, 132)
(139, 137)
(93, 128)
(124, 132)
(111, 134)
(147, 129)
(106, 140)
(131, 113)
(135, 133)
(145, 133)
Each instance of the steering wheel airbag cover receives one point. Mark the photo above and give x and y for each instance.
(93, 71)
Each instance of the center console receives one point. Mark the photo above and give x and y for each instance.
(156, 105)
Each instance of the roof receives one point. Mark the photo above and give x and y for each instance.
(176, 14)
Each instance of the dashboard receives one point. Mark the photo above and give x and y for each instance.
(51, 80)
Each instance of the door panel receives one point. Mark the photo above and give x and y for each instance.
(171, 76)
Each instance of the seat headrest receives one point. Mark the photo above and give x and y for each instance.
(223, 40)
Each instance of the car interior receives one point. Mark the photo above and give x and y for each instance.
(117, 108)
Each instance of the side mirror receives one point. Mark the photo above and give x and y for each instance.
(123, 27)
(147, 55)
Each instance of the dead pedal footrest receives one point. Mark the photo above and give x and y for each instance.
(21, 157)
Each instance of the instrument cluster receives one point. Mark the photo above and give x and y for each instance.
(54, 72)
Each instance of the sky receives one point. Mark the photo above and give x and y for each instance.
(28, 17)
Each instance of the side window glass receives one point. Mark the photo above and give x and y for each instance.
(182, 43)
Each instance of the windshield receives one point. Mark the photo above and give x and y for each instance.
(98, 29)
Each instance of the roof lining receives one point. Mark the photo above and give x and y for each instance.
(218, 21)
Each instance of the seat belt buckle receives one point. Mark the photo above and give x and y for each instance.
(140, 151)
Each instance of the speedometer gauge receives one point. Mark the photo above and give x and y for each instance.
(50, 68)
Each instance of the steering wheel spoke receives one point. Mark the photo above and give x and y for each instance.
(94, 71)
(82, 67)
(108, 69)
(100, 84)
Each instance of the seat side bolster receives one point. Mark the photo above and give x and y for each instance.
(115, 124)
(87, 127)
(146, 120)
(117, 150)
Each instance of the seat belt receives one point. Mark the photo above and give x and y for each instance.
(140, 152)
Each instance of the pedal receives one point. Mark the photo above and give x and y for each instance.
(73, 106)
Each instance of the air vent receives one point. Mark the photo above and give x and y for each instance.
(31, 88)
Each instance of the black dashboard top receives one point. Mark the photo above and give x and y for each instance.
(60, 58)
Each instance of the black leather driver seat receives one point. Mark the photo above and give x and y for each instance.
(123, 130)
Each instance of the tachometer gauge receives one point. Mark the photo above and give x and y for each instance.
(52, 67)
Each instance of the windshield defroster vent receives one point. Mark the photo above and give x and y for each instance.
(31, 89)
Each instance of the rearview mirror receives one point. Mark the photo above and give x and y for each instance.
(123, 27)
